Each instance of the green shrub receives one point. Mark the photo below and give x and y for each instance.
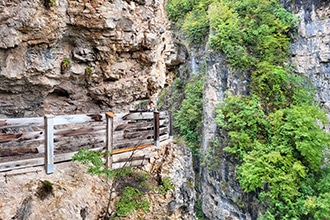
(130, 201)
(251, 31)
(166, 185)
(196, 26)
(276, 132)
(188, 119)
(176, 9)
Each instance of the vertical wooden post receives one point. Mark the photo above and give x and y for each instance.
(170, 124)
(109, 138)
(49, 143)
(156, 128)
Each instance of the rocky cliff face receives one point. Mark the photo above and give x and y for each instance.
(222, 197)
(73, 56)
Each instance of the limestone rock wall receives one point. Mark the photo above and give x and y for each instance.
(80, 56)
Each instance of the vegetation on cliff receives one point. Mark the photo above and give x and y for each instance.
(276, 132)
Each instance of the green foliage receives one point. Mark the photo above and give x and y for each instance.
(49, 3)
(166, 185)
(88, 70)
(171, 97)
(44, 190)
(131, 198)
(130, 201)
(198, 210)
(280, 154)
(65, 63)
(93, 159)
(189, 118)
(276, 132)
(191, 16)
(176, 9)
(251, 31)
(196, 25)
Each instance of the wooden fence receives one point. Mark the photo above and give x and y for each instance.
(26, 142)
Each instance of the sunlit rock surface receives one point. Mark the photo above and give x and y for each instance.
(81, 56)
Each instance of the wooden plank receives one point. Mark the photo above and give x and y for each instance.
(135, 140)
(82, 142)
(163, 137)
(9, 152)
(143, 115)
(134, 163)
(134, 126)
(142, 125)
(12, 165)
(79, 131)
(119, 151)
(82, 118)
(122, 135)
(21, 122)
(20, 137)
(138, 116)
(163, 130)
(68, 156)
(132, 143)
(129, 158)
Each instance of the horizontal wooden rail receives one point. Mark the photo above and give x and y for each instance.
(66, 134)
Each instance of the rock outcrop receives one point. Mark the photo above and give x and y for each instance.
(78, 195)
(80, 56)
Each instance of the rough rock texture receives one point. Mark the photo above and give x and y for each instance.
(79, 56)
(311, 48)
(222, 197)
(77, 195)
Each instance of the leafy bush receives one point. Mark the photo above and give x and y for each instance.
(130, 201)
(176, 9)
(196, 26)
(166, 185)
(251, 31)
(276, 132)
(189, 118)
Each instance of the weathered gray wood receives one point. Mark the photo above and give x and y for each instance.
(21, 122)
(109, 139)
(12, 165)
(134, 126)
(131, 143)
(68, 156)
(16, 151)
(117, 158)
(79, 131)
(130, 164)
(138, 116)
(143, 116)
(132, 130)
(163, 137)
(19, 137)
(129, 134)
(83, 142)
(71, 119)
(49, 143)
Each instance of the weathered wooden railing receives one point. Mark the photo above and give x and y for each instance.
(52, 139)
